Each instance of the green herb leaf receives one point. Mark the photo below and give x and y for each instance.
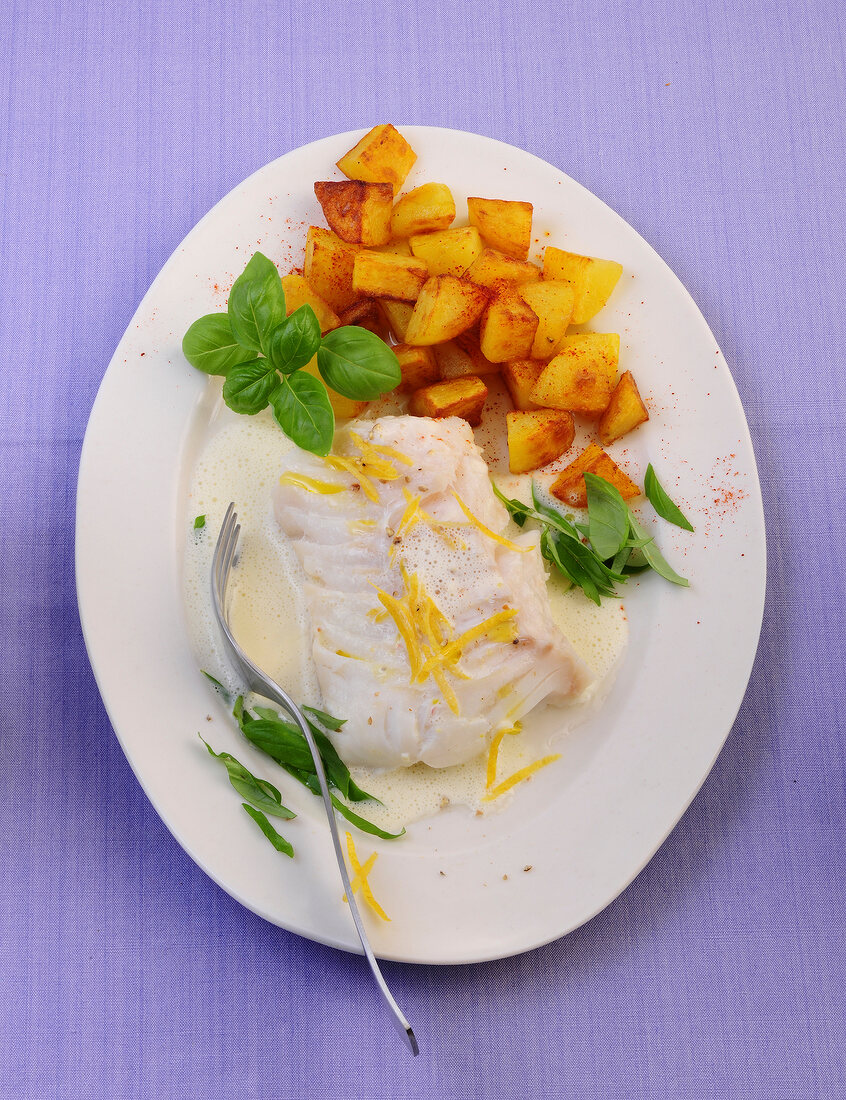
(302, 409)
(256, 303)
(653, 555)
(334, 724)
(282, 741)
(258, 791)
(210, 346)
(608, 516)
(249, 386)
(199, 523)
(278, 842)
(362, 823)
(217, 685)
(295, 341)
(661, 502)
(518, 511)
(356, 363)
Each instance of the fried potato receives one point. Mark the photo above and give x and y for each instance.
(385, 275)
(570, 487)
(504, 224)
(520, 376)
(423, 210)
(553, 302)
(592, 279)
(494, 269)
(624, 412)
(299, 293)
(581, 377)
(464, 397)
(418, 366)
(445, 308)
(448, 251)
(328, 267)
(359, 213)
(536, 438)
(397, 315)
(508, 328)
(382, 156)
(453, 361)
(396, 248)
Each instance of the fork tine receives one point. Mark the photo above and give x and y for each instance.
(223, 554)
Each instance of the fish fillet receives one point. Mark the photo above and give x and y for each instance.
(430, 629)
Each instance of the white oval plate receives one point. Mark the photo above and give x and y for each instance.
(458, 888)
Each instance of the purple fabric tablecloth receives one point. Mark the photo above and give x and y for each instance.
(716, 129)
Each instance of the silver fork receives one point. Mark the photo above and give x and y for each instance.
(261, 684)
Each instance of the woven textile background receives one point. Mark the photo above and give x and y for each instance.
(716, 129)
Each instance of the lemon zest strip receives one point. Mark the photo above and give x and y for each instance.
(360, 881)
(487, 531)
(519, 776)
(452, 651)
(493, 752)
(311, 484)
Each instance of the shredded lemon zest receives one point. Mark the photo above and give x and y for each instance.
(360, 880)
(376, 615)
(452, 651)
(450, 698)
(399, 613)
(311, 484)
(352, 656)
(487, 531)
(361, 524)
(519, 776)
(354, 467)
(369, 450)
(493, 752)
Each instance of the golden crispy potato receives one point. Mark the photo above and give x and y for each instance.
(582, 375)
(397, 315)
(382, 156)
(494, 269)
(423, 210)
(343, 407)
(464, 397)
(553, 302)
(359, 213)
(508, 328)
(520, 376)
(385, 275)
(570, 487)
(328, 267)
(366, 314)
(299, 293)
(592, 279)
(453, 361)
(448, 251)
(504, 224)
(468, 342)
(418, 366)
(624, 412)
(536, 438)
(397, 248)
(445, 308)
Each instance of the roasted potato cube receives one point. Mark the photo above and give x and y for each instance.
(445, 308)
(328, 267)
(570, 487)
(468, 342)
(536, 438)
(504, 224)
(384, 275)
(343, 407)
(397, 315)
(382, 156)
(299, 293)
(360, 213)
(592, 279)
(508, 328)
(495, 269)
(418, 366)
(449, 251)
(625, 410)
(397, 248)
(366, 314)
(453, 361)
(520, 376)
(423, 210)
(464, 397)
(582, 375)
(552, 301)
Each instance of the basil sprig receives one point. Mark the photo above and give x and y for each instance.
(260, 351)
(597, 555)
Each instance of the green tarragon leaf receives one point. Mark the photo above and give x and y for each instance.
(259, 792)
(661, 502)
(278, 842)
(608, 516)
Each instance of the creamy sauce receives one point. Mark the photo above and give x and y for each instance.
(241, 461)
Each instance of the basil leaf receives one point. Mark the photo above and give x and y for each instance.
(210, 346)
(295, 341)
(249, 386)
(608, 516)
(325, 719)
(199, 523)
(301, 407)
(356, 363)
(660, 501)
(256, 303)
(278, 842)
(258, 791)
(653, 555)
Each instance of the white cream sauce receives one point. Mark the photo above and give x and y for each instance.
(241, 461)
